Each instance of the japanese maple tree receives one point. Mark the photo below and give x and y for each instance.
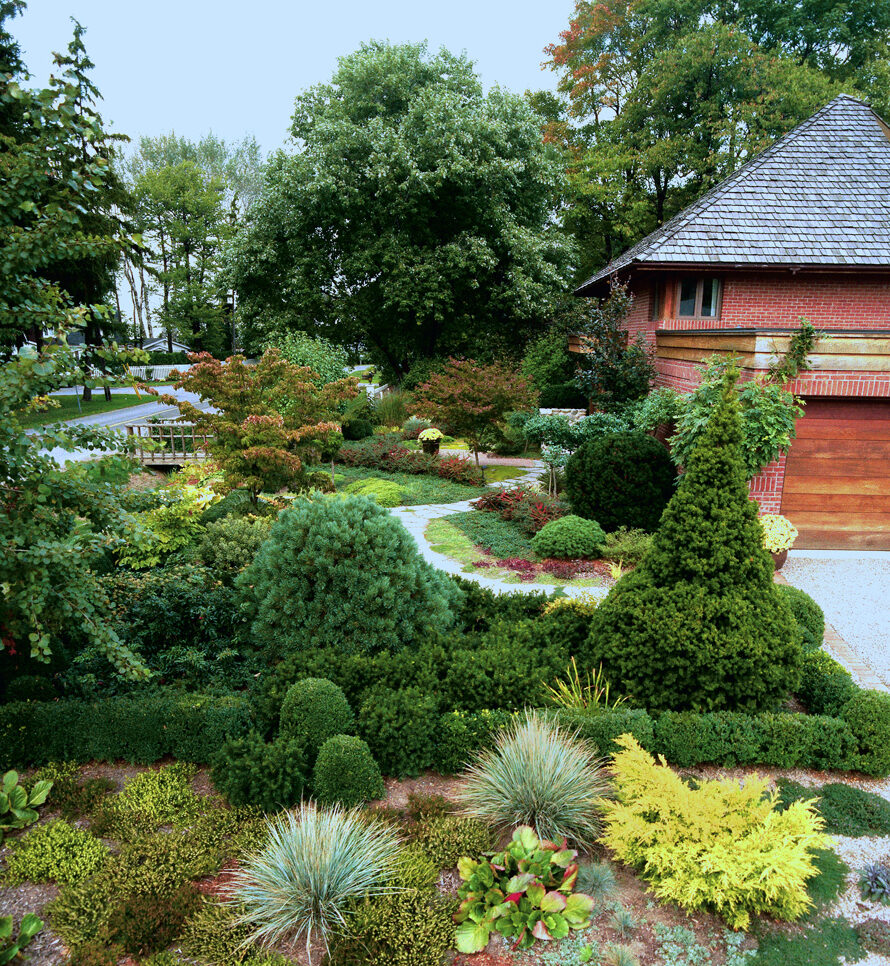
(267, 419)
(471, 398)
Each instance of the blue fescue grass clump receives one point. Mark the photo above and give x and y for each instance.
(316, 864)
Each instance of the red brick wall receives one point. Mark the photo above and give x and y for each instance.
(778, 300)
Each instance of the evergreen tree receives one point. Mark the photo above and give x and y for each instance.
(700, 624)
(11, 67)
(89, 280)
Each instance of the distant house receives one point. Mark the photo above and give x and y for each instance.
(802, 230)
(160, 344)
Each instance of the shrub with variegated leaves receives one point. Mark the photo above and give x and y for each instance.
(524, 893)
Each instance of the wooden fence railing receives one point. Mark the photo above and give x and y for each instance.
(168, 444)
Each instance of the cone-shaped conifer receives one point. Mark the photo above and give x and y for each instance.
(700, 624)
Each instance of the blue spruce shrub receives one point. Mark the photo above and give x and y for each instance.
(344, 573)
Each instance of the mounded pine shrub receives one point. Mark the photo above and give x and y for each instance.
(621, 480)
(700, 624)
(343, 573)
(569, 538)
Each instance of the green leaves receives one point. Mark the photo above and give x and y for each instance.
(17, 806)
(416, 219)
(472, 937)
(28, 929)
(532, 900)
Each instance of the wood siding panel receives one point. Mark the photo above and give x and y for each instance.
(837, 476)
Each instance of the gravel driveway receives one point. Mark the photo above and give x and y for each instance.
(854, 592)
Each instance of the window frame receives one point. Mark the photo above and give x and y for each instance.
(699, 295)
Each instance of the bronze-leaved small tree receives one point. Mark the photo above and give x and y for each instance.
(268, 418)
(700, 624)
(471, 398)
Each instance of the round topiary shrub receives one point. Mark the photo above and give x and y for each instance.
(402, 728)
(807, 613)
(346, 773)
(868, 715)
(700, 625)
(343, 573)
(621, 480)
(314, 710)
(825, 685)
(569, 538)
(385, 492)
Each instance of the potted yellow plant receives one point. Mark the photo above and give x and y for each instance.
(429, 440)
(779, 534)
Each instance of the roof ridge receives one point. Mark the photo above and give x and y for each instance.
(750, 189)
(750, 167)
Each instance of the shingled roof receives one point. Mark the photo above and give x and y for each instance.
(819, 196)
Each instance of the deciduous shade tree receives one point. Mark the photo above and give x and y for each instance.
(415, 217)
(660, 101)
(266, 418)
(53, 522)
(189, 198)
(471, 398)
(700, 624)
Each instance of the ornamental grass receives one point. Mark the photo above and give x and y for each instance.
(316, 864)
(541, 775)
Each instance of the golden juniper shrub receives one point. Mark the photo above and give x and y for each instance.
(721, 846)
(584, 603)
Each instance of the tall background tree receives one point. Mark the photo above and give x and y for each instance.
(414, 218)
(54, 523)
(658, 101)
(189, 199)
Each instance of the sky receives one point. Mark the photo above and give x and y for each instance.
(234, 68)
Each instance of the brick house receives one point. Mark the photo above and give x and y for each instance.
(802, 230)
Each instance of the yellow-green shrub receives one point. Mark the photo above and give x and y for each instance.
(720, 846)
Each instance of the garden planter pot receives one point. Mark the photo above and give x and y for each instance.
(430, 446)
(779, 558)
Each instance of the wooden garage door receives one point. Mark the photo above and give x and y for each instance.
(837, 477)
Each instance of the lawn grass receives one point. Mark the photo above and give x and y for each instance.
(503, 537)
(446, 538)
(846, 810)
(67, 408)
(419, 489)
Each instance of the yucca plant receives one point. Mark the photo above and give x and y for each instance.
(538, 774)
(590, 693)
(315, 864)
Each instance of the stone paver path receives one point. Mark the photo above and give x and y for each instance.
(416, 519)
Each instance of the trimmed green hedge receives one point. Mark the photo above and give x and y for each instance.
(408, 735)
(190, 727)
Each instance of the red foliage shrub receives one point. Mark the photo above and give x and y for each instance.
(459, 470)
(529, 508)
(562, 569)
(385, 452)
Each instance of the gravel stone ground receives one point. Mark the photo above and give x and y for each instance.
(854, 592)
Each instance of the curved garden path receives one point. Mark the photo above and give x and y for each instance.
(866, 658)
(416, 519)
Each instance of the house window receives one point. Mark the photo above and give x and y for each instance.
(699, 297)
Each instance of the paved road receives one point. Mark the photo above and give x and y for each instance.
(119, 418)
